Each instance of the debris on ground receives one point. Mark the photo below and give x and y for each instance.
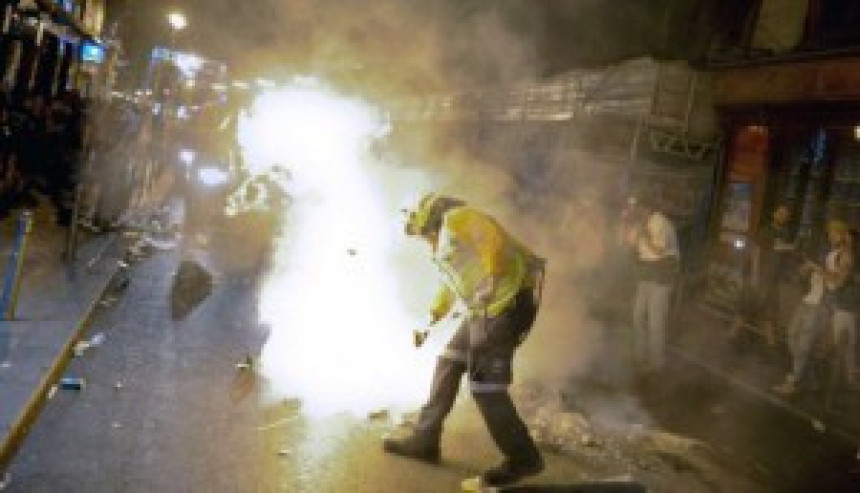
(381, 414)
(108, 301)
(620, 444)
(5, 480)
(72, 383)
(118, 385)
(352, 251)
(119, 282)
(80, 348)
(115, 425)
(819, 426)
(138, 251)
(284, 452)
(98, 339)
(246, 364)
(52, 392)
(191, 285)
(164, 241)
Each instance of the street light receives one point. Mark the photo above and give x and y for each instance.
(177, 21)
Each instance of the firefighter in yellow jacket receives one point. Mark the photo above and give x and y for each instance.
(498, 279)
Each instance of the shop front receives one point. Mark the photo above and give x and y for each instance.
(792, 138)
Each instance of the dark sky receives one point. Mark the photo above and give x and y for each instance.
(469, 40)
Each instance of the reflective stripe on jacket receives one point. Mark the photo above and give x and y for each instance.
(481, 262)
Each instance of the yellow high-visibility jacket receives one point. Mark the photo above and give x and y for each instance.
(481, 262)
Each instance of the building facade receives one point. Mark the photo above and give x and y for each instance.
(50, 46)
(787, 91)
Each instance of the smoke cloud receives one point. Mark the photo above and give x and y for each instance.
(557, 202)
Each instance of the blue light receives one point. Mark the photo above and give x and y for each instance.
(92, 52)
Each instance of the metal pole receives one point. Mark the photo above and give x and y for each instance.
(14, 273)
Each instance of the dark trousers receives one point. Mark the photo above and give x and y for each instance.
(484, 347)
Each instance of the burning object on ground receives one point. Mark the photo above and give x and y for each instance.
(192, 284)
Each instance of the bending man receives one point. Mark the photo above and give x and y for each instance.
(498, 279)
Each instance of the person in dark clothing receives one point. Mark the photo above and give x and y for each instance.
(65, 146)
(771, 256)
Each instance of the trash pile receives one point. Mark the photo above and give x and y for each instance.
(652, 456)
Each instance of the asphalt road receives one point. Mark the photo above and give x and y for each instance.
(166, 410)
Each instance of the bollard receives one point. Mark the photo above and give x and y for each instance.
(14, 271)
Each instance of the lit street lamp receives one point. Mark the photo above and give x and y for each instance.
(177, 21)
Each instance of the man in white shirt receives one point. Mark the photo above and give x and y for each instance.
(655, 242)
(822, 305)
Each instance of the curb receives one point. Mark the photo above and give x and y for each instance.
(21, 427)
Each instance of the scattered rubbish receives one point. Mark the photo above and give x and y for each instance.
(246, 364)
(120, 281)
(122, 264)
(108, 301)
(98, 339)
(5, 364)
(80, 348)
(284, 452)
(191, 285)
(5, 480)
(52, 392)
(161, 241)
(818, 426)
(379, 415)
(71, 383)
(115, 425)
(118, 385)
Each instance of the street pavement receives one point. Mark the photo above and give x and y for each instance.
(55, 301)
(166, 409)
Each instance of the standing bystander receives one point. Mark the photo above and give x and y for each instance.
(827, 284)
(655, 242)
(770, 257)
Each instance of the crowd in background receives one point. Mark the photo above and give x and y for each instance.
(42, 144)
(799, 300)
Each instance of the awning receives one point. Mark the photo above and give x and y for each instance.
(835, 80)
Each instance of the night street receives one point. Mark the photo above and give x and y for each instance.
(165, 409)
(410, 246)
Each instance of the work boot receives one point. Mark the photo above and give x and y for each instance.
(509, 472)
(413, 446)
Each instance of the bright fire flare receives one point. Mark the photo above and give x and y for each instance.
(346, 288)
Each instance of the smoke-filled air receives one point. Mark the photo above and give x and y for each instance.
(345, 287)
